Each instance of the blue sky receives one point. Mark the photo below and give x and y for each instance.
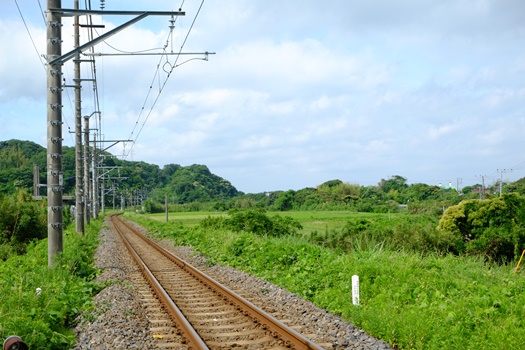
(299, 92)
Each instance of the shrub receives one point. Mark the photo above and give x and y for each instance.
(22, 219)
(492, 227)
(256, 221)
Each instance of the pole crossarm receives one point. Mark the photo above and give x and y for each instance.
(80, 12)
(148, 54)
(114, 143)
(141, 15)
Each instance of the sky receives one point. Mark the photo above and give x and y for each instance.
(296, 93)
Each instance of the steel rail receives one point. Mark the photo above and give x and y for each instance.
(186, 329)
(290, 337)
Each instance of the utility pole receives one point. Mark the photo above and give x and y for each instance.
(55, 60)
(95, 178)
(36, 181)
(55, 176)
(79, 186)
(87, 192)
(166, 205)
(501, 172)
(113, 192)
(102, 194)
(482, 192)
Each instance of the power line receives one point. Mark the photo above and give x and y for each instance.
(519, 166)
(172, 26)
(131, 52)
(42, 12)
(30, 36)
(175, 65)
(70, 106)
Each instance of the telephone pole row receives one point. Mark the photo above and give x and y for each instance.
(55, 60)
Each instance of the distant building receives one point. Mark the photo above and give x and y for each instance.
(478, 190)
(447, 187)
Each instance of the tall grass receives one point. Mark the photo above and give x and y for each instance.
(44, 320)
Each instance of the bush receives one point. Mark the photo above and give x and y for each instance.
(401, 232)
(23, 219)
(492, 228)
(255, 221)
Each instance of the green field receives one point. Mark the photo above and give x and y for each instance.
(409, 299)
(311, 220)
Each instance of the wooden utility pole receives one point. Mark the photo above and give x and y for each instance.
(55, 176)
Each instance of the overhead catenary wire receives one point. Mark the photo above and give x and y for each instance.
(70, 107)
(172, 26)
(93, 73)
(175, 65)
(30, 36)
(36, 50)
(131, 52)
(42, 12)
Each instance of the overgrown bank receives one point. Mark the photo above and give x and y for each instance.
(39, 303)
(410, 300)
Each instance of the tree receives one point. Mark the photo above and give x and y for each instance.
(396, 182)
(491, 227)
(22, 218)
(422, 192)
(285, 201)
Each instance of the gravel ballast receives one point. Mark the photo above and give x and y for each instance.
(119, 320)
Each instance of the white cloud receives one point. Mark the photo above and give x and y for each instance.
(298, 93)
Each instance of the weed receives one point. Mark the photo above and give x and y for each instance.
(412, 300)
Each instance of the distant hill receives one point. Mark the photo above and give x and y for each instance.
(16, 164)
(183, 183)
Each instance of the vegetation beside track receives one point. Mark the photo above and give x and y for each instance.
(44, 319)
(410, 299)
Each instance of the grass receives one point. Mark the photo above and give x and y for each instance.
(326, 221)
(411, 301)
(311, 220)
(189, 219)
(44, 320)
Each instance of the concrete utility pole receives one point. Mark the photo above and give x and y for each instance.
(36, 181)
(87, 192)
(55, 60)
(102, 194)
(79, 186)
(482, 193)
(166, 206)
(54, 131)
(501, 172)
(95, 178)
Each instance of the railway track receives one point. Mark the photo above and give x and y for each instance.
(204, 313)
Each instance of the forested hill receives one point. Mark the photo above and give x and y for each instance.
(183, 183)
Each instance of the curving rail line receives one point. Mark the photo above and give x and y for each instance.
(255, 328)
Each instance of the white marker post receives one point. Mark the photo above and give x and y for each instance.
(355, 290)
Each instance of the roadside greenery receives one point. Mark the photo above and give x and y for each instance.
(409, 299)
(22, 219)
(492, 228)
(255, 221)
(435, 263)
(45, 319)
